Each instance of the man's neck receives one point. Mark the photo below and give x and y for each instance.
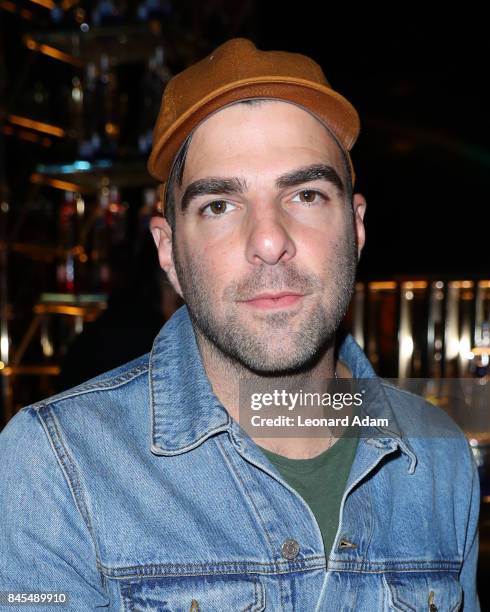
(225, 375)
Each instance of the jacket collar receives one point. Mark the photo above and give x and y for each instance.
(185, 410)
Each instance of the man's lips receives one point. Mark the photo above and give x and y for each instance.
(274, 300)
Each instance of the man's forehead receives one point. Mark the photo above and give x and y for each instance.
(228, 132)
(266, 109)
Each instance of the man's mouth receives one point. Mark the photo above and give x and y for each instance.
(274, 300)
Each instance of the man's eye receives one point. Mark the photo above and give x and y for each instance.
(216, 208)
(309, 196)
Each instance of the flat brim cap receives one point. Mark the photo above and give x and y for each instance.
(237, 70)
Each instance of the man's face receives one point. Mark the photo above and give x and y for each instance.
(265, 264)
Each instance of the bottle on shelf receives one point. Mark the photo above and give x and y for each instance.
(109, 230)
(100, 263)
(156, 77)
(101, 104)
(108, 103)
(116, 217)
(71, 268)
(90, 141)
(74, 106)
(65, 270)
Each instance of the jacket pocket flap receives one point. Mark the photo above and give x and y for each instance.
(195, 594)
(415, 592)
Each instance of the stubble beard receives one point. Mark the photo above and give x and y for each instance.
(307, 340)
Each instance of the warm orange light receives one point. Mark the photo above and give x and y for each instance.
(39, 179)
(414, 285)
(74, 311)
(11, 7)
(382, 285)
(51, 51)
(40, 126)
(25, 135)
(49, 4)
(481, 350)
(31, 370)
(111, 129)
(59, 55)
(461, 284)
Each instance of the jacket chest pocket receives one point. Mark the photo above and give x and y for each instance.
(414, 592)
(194, 594)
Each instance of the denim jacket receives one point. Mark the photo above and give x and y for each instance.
(137, 491)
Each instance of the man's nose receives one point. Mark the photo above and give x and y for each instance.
(268, 238)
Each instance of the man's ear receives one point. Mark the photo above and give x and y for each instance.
(162, 235)
(359, 208)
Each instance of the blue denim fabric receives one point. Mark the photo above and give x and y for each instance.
(137, 491)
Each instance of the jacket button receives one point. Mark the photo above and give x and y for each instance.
(290, 549)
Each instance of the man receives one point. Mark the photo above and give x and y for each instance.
(141, 490)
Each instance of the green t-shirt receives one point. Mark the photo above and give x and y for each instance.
(320, 481)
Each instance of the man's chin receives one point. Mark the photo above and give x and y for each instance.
(274, 367)
(275, 357)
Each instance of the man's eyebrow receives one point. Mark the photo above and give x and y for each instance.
(229, 186)
(212, 185)
(310, 173)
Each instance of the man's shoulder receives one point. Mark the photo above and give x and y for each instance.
(80, 414)
(112, 380)
(432, 433)
(85, 419)
(417, 416)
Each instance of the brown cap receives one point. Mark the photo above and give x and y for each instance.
(237, 70)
